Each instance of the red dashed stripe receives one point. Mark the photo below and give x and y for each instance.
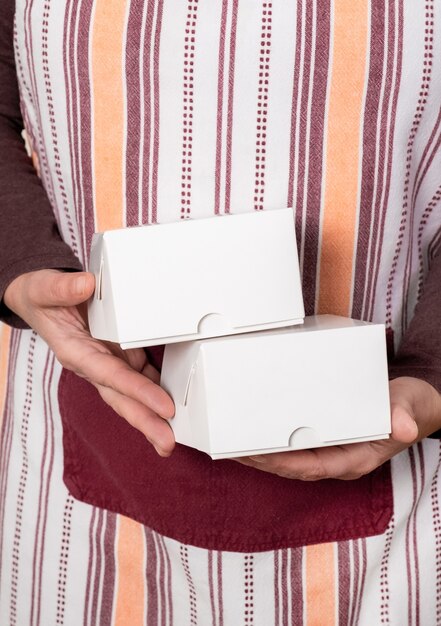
(22, 483)
(422, 101)
(188, 107)
(262, 105)
(384, 575)
(437, 528)
(249, 589)
(50, 103)
(64, 557)
(191, 587)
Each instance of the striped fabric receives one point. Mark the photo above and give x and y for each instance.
(160, 110)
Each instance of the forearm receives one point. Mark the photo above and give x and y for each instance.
(29, 237)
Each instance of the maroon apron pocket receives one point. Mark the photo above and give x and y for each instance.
(218, 505)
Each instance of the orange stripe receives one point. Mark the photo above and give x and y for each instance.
(320, 585)
(350, 25)
(130, 600)
(5, 337)
(108, 111)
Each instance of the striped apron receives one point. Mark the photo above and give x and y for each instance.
(144, 111)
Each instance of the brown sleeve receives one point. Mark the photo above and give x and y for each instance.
(29, 237)
(419, 354)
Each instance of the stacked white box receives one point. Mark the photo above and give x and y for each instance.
(195, 278)
(318, 384)
(246, 375)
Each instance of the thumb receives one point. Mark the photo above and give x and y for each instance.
(56, 288)
(404, 426)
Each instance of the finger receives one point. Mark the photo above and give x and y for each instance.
(152, 373)
(56, 288)
(299, 464)
(155, 429)
(404, 426)
(136, 357)
(109, 371)
(346, 462)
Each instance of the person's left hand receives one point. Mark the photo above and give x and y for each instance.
(416, 413)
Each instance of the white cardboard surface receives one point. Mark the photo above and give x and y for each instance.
(319, 384)
(196, 278)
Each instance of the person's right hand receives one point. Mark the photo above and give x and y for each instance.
(53, 304)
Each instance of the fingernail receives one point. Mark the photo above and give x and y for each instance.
(80, 285)
(258, 459)
(161, 451)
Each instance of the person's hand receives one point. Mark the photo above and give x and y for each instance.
(416, 413)
(53, 304)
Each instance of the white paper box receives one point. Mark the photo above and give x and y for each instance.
(195, 278)
(319, 384)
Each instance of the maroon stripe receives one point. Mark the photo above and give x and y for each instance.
(211, 588)
(188, 108)
(76, 62)
(311, 222)
(76, 68)
(420, 454)
(384, 574)
(295, 96)
(363, 578)
(400, 25)
(64, 559)
(169, 580)
(434, 245)
(70, 24)
(423, 96)
(85, 120)
(356, 578)
(147, 121)
(98, 548)
(108, 587)
(409, 522)
(430, 151)
(43, 496)
(191, 588)
(156, 109)
(220, 594)
(162, 580)
(133, 54)
(40, 146)
(284, 588)
(344, 581)
(296, 586)
(372, 165)
(89, 580)
(220, 105)
(26, 412)
(152, 594)
(276, 589)
(413, 575)
(231, 72)
(379, 207)
(304, 117)
(262, 105)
